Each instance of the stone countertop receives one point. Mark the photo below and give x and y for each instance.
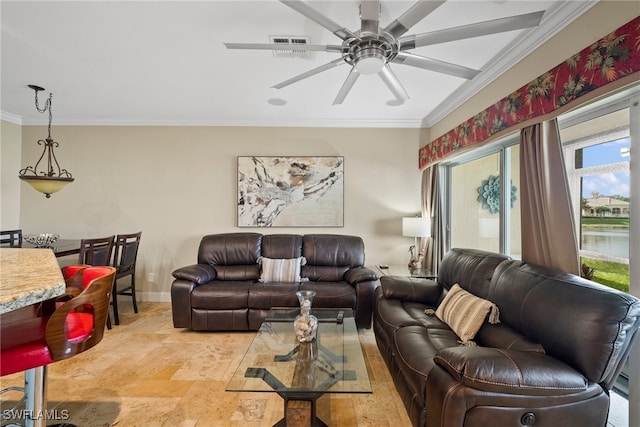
(28, 276)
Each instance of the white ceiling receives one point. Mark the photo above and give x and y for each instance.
(164, 62)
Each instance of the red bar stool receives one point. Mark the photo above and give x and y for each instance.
(35, 336)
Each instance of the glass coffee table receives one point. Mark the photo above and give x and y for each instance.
(302, 372)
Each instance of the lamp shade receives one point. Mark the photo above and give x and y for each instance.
(46, 184)
(416, 226)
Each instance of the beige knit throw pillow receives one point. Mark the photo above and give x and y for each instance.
(465, 312)
(281, 270)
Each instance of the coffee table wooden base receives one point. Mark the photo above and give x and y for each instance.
(300, 413)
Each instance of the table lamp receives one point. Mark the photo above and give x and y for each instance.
(416, 227)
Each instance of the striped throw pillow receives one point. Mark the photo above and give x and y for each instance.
(281, 270)
(465, 313)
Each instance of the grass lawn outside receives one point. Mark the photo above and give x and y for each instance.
(604, 222)
(612, 274)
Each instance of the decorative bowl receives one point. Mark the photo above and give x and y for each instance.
(42, 240)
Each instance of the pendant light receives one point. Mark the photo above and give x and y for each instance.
(53, 178)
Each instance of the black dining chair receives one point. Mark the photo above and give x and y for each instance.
(124, 260)
(11, 238)
(97, 252)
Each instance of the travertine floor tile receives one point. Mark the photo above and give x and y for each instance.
(146, 373)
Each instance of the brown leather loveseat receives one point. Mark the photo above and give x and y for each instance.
(550, 361)
(223, 291)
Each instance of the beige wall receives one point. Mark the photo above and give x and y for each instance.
(177, 184)
(10, 146)
(603, 18)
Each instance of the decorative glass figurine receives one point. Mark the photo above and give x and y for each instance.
(305, 324)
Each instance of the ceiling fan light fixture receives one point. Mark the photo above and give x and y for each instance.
(371, 49)
(369, 60)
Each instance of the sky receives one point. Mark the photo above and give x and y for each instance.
(607, 184)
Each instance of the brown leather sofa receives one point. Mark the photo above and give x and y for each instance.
(551, 361)
(222, 291)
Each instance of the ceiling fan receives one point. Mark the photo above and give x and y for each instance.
(372, 48)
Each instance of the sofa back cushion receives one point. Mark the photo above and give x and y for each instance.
(329, 256)
(277, 246)
(472, 269)
(582, 323)
(233, 255)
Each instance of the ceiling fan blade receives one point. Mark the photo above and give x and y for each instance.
(435, 65)
(369, 17)
(310, 73)
(412, 16)
(494, 26)
(279, 46)
(319, 18)
(392, 82)
(346, 86)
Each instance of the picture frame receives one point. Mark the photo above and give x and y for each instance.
(290, 191)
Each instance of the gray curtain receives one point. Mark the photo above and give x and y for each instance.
(548, 230)
(433, 247)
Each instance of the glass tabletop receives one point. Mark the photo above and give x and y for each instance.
(276, 362)
(61, 248)
(405, 271)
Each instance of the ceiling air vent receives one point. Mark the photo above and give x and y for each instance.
(290, 40)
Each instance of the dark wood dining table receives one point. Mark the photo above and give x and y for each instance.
(61, 248)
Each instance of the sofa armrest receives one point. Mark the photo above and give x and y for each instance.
(181, 302)
(197, 273)
(426, 291)
(363, 280)
(360, 274)
(511, 372)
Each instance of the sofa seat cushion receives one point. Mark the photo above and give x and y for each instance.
(221, 295)
(331, 294)
(414, 348)
(264, 296)
(512, 372)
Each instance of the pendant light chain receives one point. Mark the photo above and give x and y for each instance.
(47, 106)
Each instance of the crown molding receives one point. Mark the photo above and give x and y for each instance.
(555, 20)
(10, 117)
(246, 122)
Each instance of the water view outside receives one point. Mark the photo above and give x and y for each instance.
(613, 242)
(605, 178)
(609, 238)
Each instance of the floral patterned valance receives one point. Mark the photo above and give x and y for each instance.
(612, 57)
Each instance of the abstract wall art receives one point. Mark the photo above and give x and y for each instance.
(290, 191)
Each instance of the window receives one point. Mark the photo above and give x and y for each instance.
(598, 140)
(597, 161)
(477, 193)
